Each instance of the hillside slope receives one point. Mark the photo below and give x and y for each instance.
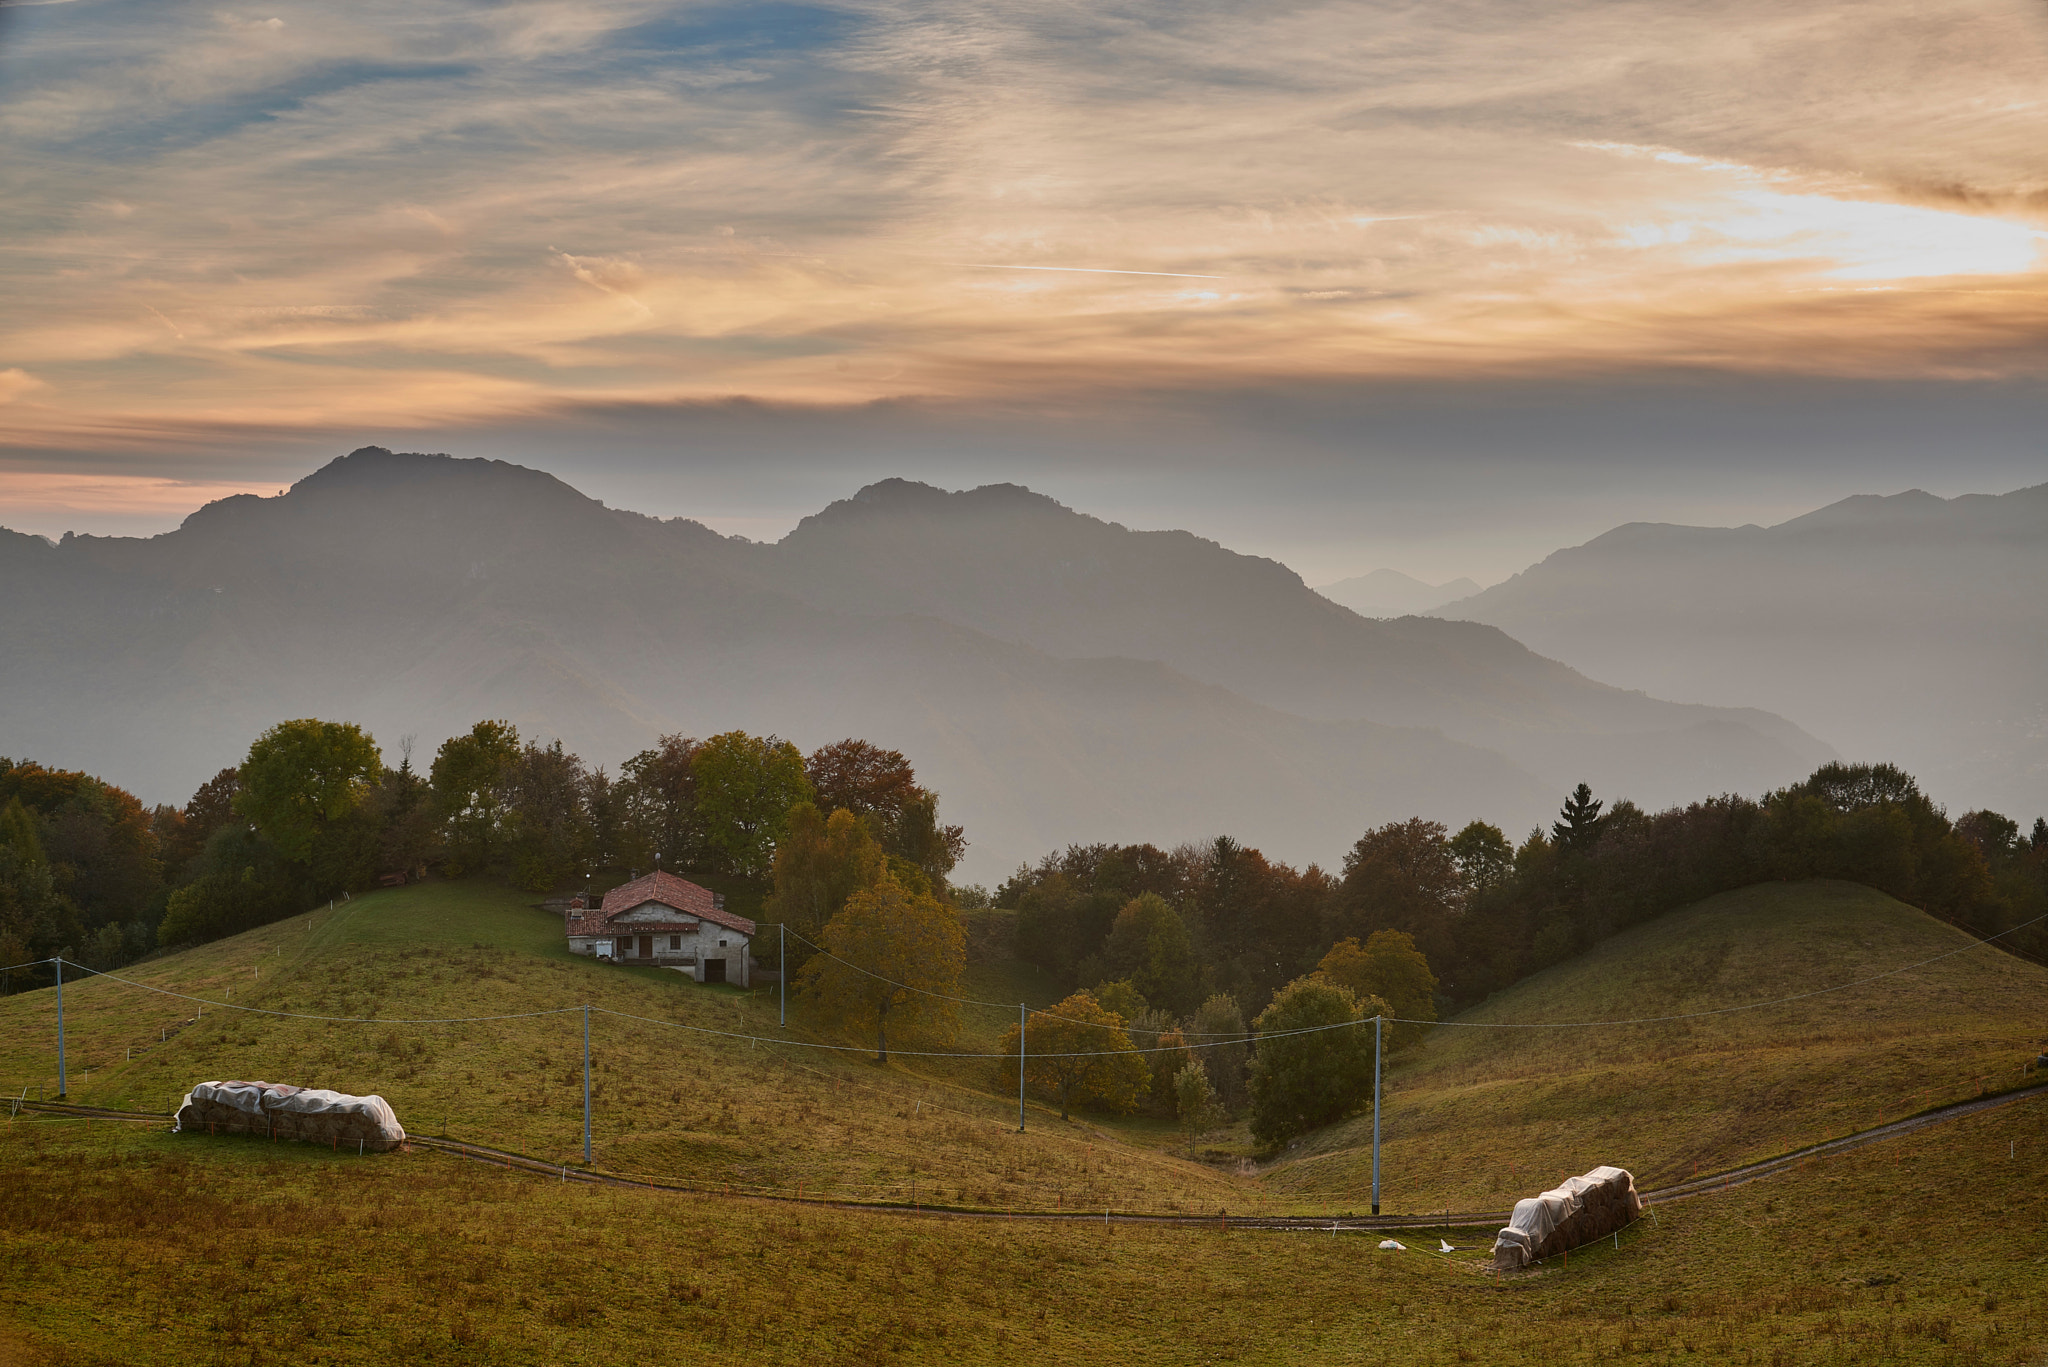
(681, 1104)
(1474, 1114)
(1910, 628)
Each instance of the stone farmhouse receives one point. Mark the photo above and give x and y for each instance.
(665, 921)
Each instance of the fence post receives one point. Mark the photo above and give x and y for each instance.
(586, 1085)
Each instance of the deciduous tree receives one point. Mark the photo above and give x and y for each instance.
(1313, 1065)
(301, 778)
(746, 786)
(1389, 967)
(894, 957)
(1077, 1053)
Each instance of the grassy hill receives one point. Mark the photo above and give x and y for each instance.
(141, 1248)
(1474, 1116)
(666, 1101)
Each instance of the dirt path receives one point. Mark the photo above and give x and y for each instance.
(1706, 1185)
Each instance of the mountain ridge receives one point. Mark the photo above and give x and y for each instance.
(1056, 676)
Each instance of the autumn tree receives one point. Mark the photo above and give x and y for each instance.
(550, 829)
(746, 786)
(1077, 1053)
(893, 957)
(820, 863)
(1387, 966)
(1403, 876)
(302, 778)
(1483, 854)
(1196, 1103)
(1314, 1062)
(881, 788)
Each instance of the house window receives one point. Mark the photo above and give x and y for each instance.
(675, 942)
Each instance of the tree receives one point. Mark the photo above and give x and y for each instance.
(746, 786)
(1219, 1029)
(1150, 944)
(893, 956)
(550, 823)
(1483, 855)
(861, 778)
(301, 778)
(1195, 1099)
(1301, 1081)
(658, 806)
(1389, 967)
(471, 778)
(1076, 1053)
(1578, 825)
(819, 864)
(1403, 876)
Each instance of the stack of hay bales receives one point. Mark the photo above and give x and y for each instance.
(281, 1111)
(1578, 1211)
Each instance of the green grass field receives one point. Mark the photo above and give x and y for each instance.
(125, 1244)
(666, 1102)
(120, 1246)
(1477, 1116)
(1473, 1117)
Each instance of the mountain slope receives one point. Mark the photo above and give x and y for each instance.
(418, 594)
(1015, 565)
(1909, 628)
(1056, 677)
(1390, 593)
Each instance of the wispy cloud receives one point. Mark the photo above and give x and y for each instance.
(303, 215)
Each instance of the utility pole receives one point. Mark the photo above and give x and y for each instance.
(1021, 1025)
(782, 967)
(60, 1029)
(586, 1088)
(1376, 1027)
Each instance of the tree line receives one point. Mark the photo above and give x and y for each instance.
(313, 812)
(1175, 945)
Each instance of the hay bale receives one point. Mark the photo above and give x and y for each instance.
(285, 1112)
(1577, 1211)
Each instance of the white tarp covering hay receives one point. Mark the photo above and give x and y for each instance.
(1578, 1211)
(280, 1111)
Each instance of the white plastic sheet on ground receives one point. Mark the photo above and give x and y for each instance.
(281, 1111)
(1578, 1211)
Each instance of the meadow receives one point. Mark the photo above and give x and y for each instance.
(131, 1246)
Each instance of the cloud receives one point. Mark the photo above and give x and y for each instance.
(15, 382)
(435, 214)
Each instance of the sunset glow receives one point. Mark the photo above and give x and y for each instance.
(222, 225)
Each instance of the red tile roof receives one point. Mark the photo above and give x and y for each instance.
(664, 889)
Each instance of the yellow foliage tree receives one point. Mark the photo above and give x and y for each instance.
(1077, 1052)
(1390, 967)
(889, 951)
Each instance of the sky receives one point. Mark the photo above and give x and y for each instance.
(1438, 286)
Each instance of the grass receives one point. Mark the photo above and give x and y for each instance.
(136, 1247)
(1475, 1117)
(667, 1102)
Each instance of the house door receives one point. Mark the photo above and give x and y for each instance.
(714, 970)
(646, 946)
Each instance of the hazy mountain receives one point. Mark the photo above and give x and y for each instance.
(1911, 628)
(1390, 593)
(1054, 676)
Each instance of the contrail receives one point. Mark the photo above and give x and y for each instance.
(1092, 270)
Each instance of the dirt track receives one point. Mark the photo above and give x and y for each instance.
(1704, 1185)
